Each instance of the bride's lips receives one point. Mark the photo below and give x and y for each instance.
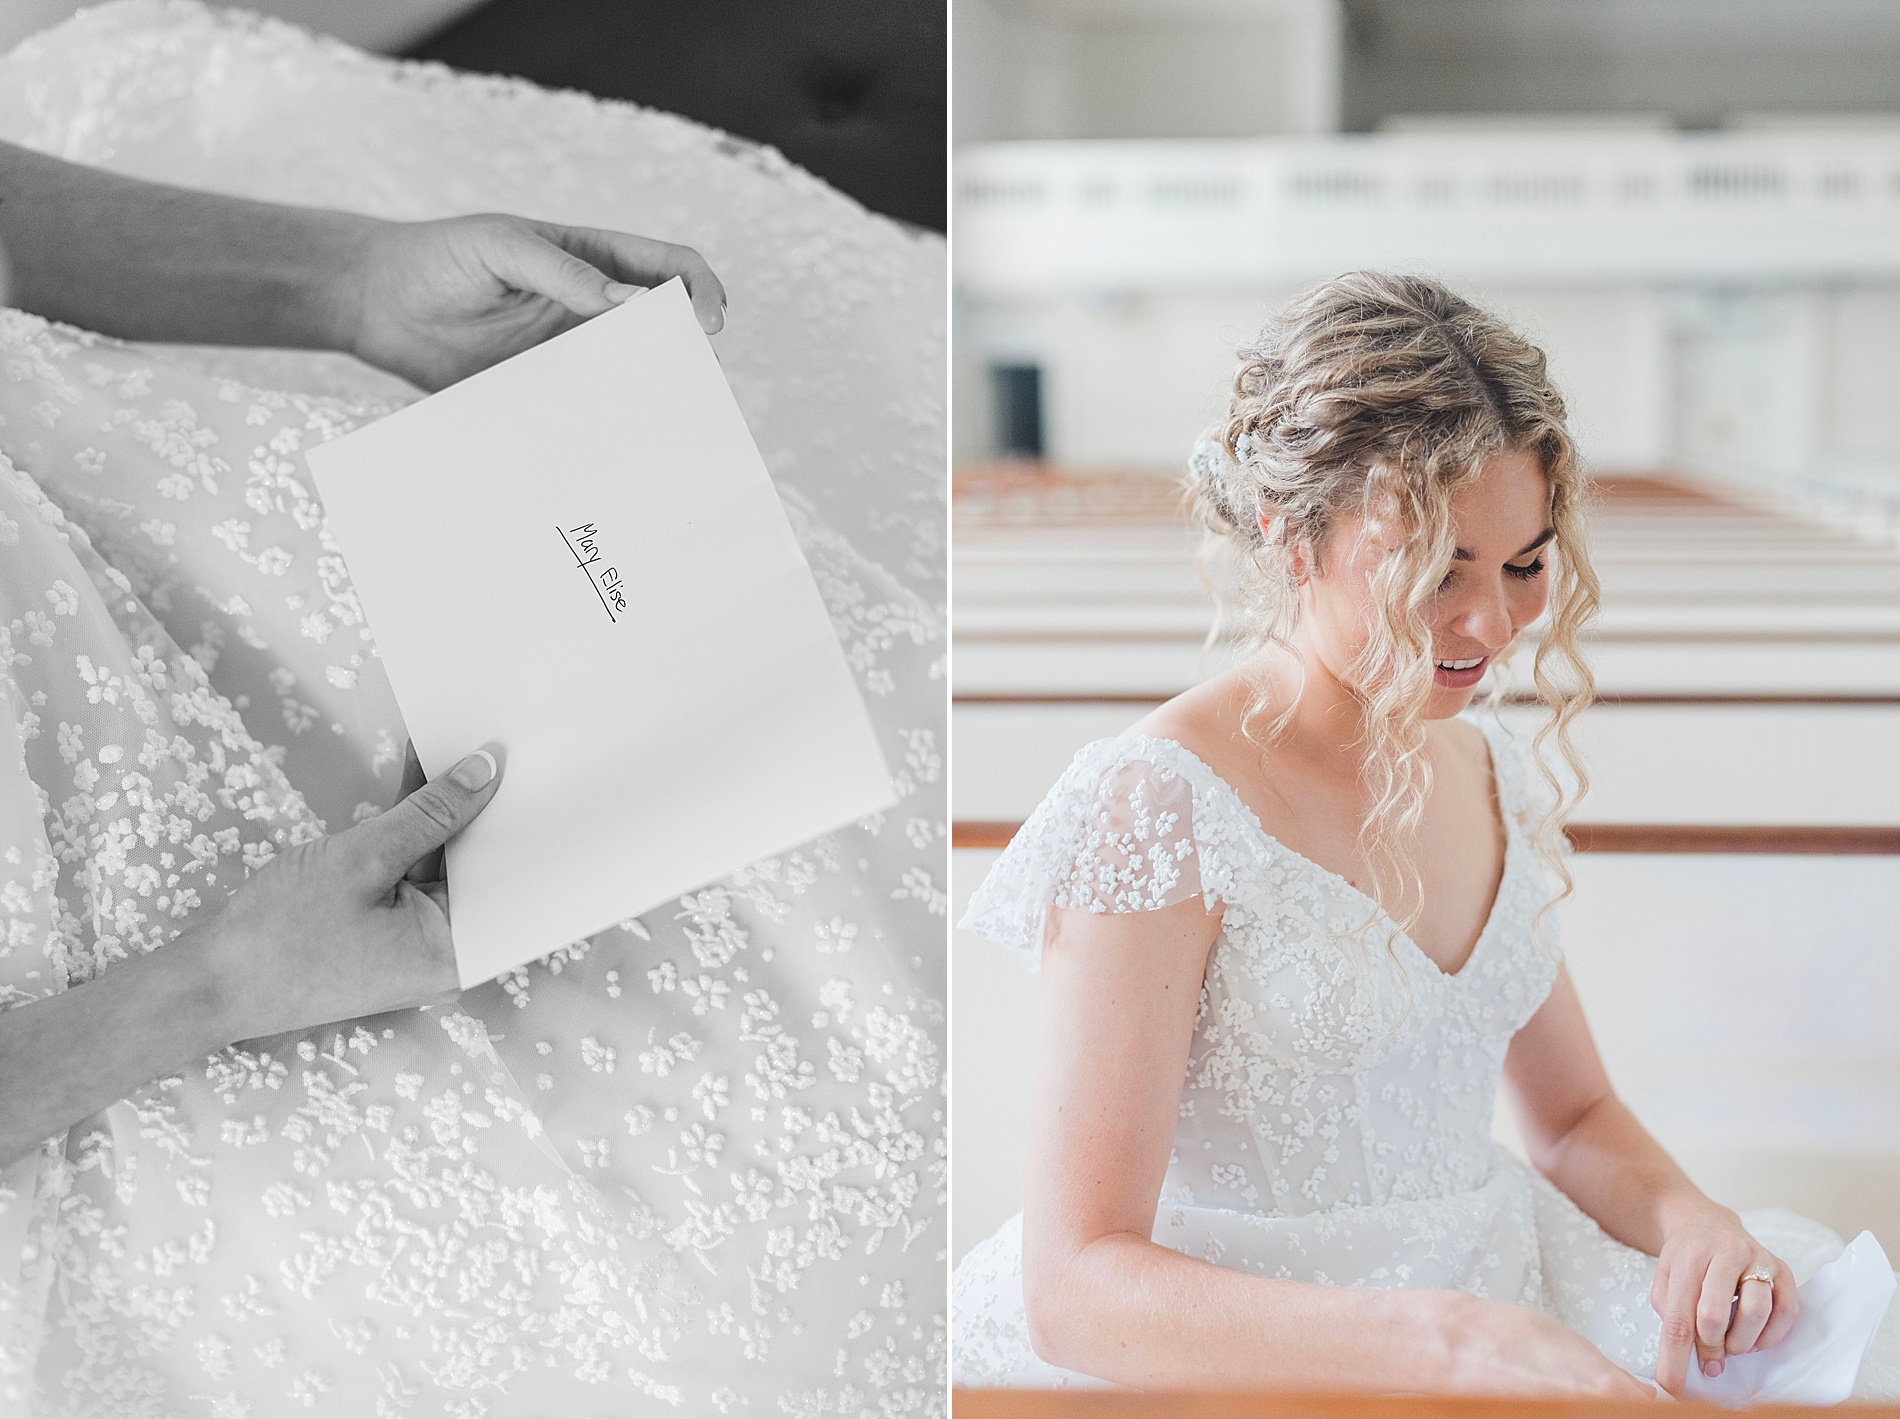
(1460, 679)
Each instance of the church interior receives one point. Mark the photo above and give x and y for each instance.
(1691, 207)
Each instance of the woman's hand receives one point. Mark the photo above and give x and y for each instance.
(328, 930)
(1707, 1311)
(1511, 1350)
(430, 301)
(335, 928)
(437, 301)
(1586, 1141)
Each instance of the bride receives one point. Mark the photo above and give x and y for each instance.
(1291, 931)
(692, 1163)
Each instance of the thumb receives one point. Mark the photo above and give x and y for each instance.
(530, 262)
(433, 814)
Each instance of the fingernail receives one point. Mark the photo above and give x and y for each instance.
(618, 291)
(1712, 1368)
(475, 771)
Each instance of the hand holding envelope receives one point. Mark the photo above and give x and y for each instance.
(437, 301)
(578, 553)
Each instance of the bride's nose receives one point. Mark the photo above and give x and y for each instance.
(1483, 615)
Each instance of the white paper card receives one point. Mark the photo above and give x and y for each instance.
(578, 553)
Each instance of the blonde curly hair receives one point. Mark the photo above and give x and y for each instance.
(1384, 395)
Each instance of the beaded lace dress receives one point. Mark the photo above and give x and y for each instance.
(694, 1164)
(1335, 1120)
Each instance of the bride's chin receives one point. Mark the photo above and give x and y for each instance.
(1448, 702)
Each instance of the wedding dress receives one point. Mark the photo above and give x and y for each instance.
(693, 1164)
(1335, 1121)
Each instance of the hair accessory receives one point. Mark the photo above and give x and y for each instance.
(1209, 462)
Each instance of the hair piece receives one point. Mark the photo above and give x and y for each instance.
(1383, 395)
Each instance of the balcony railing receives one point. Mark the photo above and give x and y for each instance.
(1121, 216)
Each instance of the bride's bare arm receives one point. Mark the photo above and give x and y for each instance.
(331, 929)
(146, 261)
(430, 301)
(1582, 1137)
(1119, 998)
(66, 1057)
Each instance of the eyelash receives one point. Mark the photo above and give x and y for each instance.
(1526, 573)
(1529, 573)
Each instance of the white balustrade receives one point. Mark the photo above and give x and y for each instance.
(1042, 218)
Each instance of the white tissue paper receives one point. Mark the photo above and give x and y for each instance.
(1841, 1307)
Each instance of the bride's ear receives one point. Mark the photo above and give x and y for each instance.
(1298, 550)
(1299, 560)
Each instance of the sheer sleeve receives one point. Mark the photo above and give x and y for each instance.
(1133, 825)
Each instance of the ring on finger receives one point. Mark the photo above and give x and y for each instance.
(1760, 1273)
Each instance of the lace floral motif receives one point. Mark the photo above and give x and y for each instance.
(1131, 826)
(694, 1163)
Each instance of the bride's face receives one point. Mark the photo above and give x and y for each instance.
(1498, 583)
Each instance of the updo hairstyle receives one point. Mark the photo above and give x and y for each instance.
(1384, 395)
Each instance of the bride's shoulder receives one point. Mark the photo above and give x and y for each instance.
(1504, 747)
(1174, 765)
(1467, 737)
(1203, 725)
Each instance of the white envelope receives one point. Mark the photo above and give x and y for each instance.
(578, 553)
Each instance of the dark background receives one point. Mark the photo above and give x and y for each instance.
(853, 90)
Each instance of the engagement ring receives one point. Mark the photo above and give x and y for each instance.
(1760, 1273)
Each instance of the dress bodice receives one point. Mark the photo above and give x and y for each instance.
(1333, 1063)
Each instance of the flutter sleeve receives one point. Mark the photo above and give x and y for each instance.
(1133, 825)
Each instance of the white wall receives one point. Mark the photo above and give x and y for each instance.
(1609, 358)
(1695, 60)
(1153, 68)
(1218, 77)
(1860, 384)
(1010, 73)
(1138, 376)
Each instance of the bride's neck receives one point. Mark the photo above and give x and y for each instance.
(1327, 719)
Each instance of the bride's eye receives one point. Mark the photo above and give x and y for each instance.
(1447, 581)
(1526, 573)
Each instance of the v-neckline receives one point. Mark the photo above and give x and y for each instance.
(1379, 913)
